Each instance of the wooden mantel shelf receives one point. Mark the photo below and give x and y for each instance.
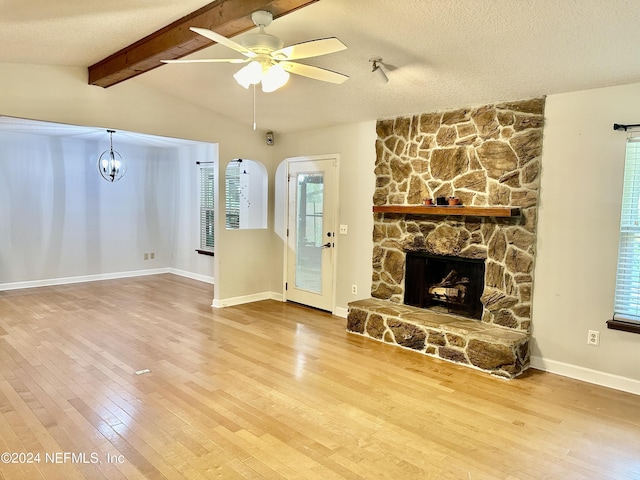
(458, 210)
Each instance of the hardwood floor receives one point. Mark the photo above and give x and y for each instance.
(273, 391)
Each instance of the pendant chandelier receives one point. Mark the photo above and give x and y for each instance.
(111, 165)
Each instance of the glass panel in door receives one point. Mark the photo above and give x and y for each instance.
(309, 231)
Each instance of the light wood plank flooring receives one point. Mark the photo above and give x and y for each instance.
(273, 391)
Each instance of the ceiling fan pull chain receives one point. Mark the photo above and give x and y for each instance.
(254, 107)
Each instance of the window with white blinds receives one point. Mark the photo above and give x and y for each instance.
(207, 185)
(627, 299)
(232, 195)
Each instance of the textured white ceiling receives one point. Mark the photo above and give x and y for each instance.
(447, 53)
(80, 32)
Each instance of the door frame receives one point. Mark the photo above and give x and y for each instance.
(311, 158)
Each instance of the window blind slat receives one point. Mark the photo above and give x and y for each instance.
(207, 195)
(627, 295)
(232, 196)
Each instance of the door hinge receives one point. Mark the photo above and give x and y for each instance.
(287, 232)
(286, 286)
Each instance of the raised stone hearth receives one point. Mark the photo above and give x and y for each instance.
(487, 156)
(498, 350)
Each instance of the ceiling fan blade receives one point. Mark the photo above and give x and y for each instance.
(311, 48)
(222, 40)
(317, 73)
(208, 60)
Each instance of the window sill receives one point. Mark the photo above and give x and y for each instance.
(204, 252)
(623, 326)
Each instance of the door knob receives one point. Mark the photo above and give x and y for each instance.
(326, 245)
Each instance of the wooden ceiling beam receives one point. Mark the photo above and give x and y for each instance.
(226, 17)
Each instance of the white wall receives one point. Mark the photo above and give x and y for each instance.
(59, 218)
(256, 183)
(186, 213)
(244, 257)
(355, 144)
(579, 214)
(61, 94)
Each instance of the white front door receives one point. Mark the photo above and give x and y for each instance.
(311, 232)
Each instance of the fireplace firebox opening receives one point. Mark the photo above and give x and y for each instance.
(451, 283)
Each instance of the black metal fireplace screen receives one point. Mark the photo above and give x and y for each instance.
(453, 283)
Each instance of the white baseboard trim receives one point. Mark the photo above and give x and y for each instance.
(193, 276)
(340, 312)
(256, 297)
(588, 375)
(80, 279)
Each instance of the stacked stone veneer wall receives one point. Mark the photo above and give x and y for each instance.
(486, 156)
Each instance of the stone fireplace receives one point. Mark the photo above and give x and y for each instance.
(487, 156)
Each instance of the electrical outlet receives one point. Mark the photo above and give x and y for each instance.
(344, 229)
(146, 256)
(152, 255)
(593, 338)
(354, 289)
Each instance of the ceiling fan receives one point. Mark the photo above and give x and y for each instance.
(268, 61)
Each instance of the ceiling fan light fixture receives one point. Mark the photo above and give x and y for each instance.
(250, 74)
(274, 78)
(263, 52)
(268, 61)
